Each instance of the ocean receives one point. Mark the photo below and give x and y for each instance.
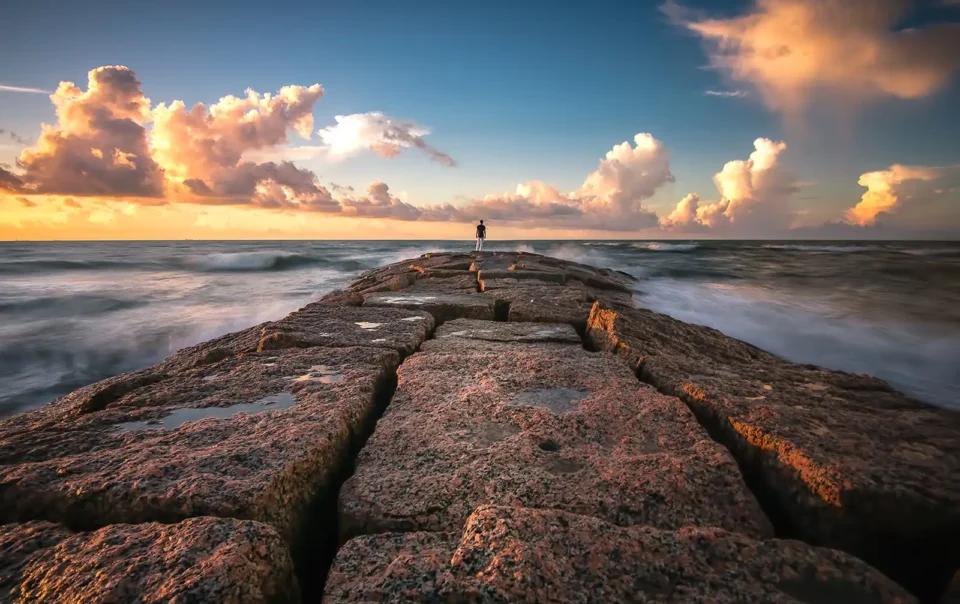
(72, 313)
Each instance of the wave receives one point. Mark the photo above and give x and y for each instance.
(22, 267)
(659, 246)
(934, 251)
(250, 261)
(831, 249)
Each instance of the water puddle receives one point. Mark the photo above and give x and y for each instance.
(556, 400)
(322, 374)
(367, 325)
(208, 378)
(378, 341)
(407, 300)
(178, 417)
(412, 319)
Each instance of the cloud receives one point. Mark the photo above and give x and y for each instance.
(385, 136)
(379, 203)
(730, 94)
(9, 181)
(99, 145)
(684, 216)
(72, 203)
(754, 196)
(791, 49)
(26, 202)
(7, 88)
(900, 188)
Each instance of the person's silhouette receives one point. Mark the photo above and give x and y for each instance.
(481, 235)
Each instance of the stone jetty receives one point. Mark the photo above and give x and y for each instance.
(480, 427)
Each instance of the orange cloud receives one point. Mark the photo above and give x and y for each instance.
(891, 191)
(99, 144)
(790, 49)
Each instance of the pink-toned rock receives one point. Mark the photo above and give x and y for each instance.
(329, 326)
(198, 560)
(441, 305)
(539, 425)
(260, 437)
(849, 462)
(467, 335)
(508, 554)
(342, 297)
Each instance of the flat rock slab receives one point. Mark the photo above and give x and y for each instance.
(255, 437)
(507, 554)
(442, 306)
(198, 560)
(850, 462)
(331, 326)
(541, 426)
(471, 331)
(534, 301)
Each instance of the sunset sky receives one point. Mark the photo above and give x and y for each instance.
(395, 120)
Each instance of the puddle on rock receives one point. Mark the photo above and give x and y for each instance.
(368, 325)
(412, 319)
(378, 341)
(178, 417)
(208, 378)
(322, 374)
(406, 300)
(556, 400)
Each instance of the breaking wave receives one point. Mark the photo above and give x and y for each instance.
(267, 260)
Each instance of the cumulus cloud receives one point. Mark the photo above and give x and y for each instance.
(611, 197)
(790, 49)
(374, 131)
(684, 216)
(9, 181)
(899, 188)
(99, 144)
(754, 196)
(26, 202)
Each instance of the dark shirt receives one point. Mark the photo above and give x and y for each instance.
(481, 231)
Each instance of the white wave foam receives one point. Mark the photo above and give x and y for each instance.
(833, 249)
(243, 261)
(918, 359)
(659, 246)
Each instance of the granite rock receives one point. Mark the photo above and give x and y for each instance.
(198, 560)
(509, 554)
(844, 460)
(538, 425)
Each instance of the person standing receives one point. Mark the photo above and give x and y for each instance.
(481, 235)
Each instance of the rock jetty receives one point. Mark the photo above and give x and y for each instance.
(480, 427)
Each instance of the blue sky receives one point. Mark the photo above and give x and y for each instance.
(515, 91)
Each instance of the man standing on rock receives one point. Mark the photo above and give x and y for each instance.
(481, 235)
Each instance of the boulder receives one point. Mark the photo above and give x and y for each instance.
(842, 460)
(538, 425)
(261, 436)
(198, 560)
(510, 554)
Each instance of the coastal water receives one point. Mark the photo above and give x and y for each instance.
(74, 313)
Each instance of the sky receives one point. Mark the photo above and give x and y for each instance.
(383, 120)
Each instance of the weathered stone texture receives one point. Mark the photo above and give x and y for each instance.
(848, 461)
(467, 335)
(508, 554)
(198, 560)
(300, 412)
(539, 426)
(441, 305)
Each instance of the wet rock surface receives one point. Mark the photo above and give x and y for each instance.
(847, 461)
(466, 335)
(540, 426)
(300, 411)
(198, 560)
(508, 554)
(443, 306)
